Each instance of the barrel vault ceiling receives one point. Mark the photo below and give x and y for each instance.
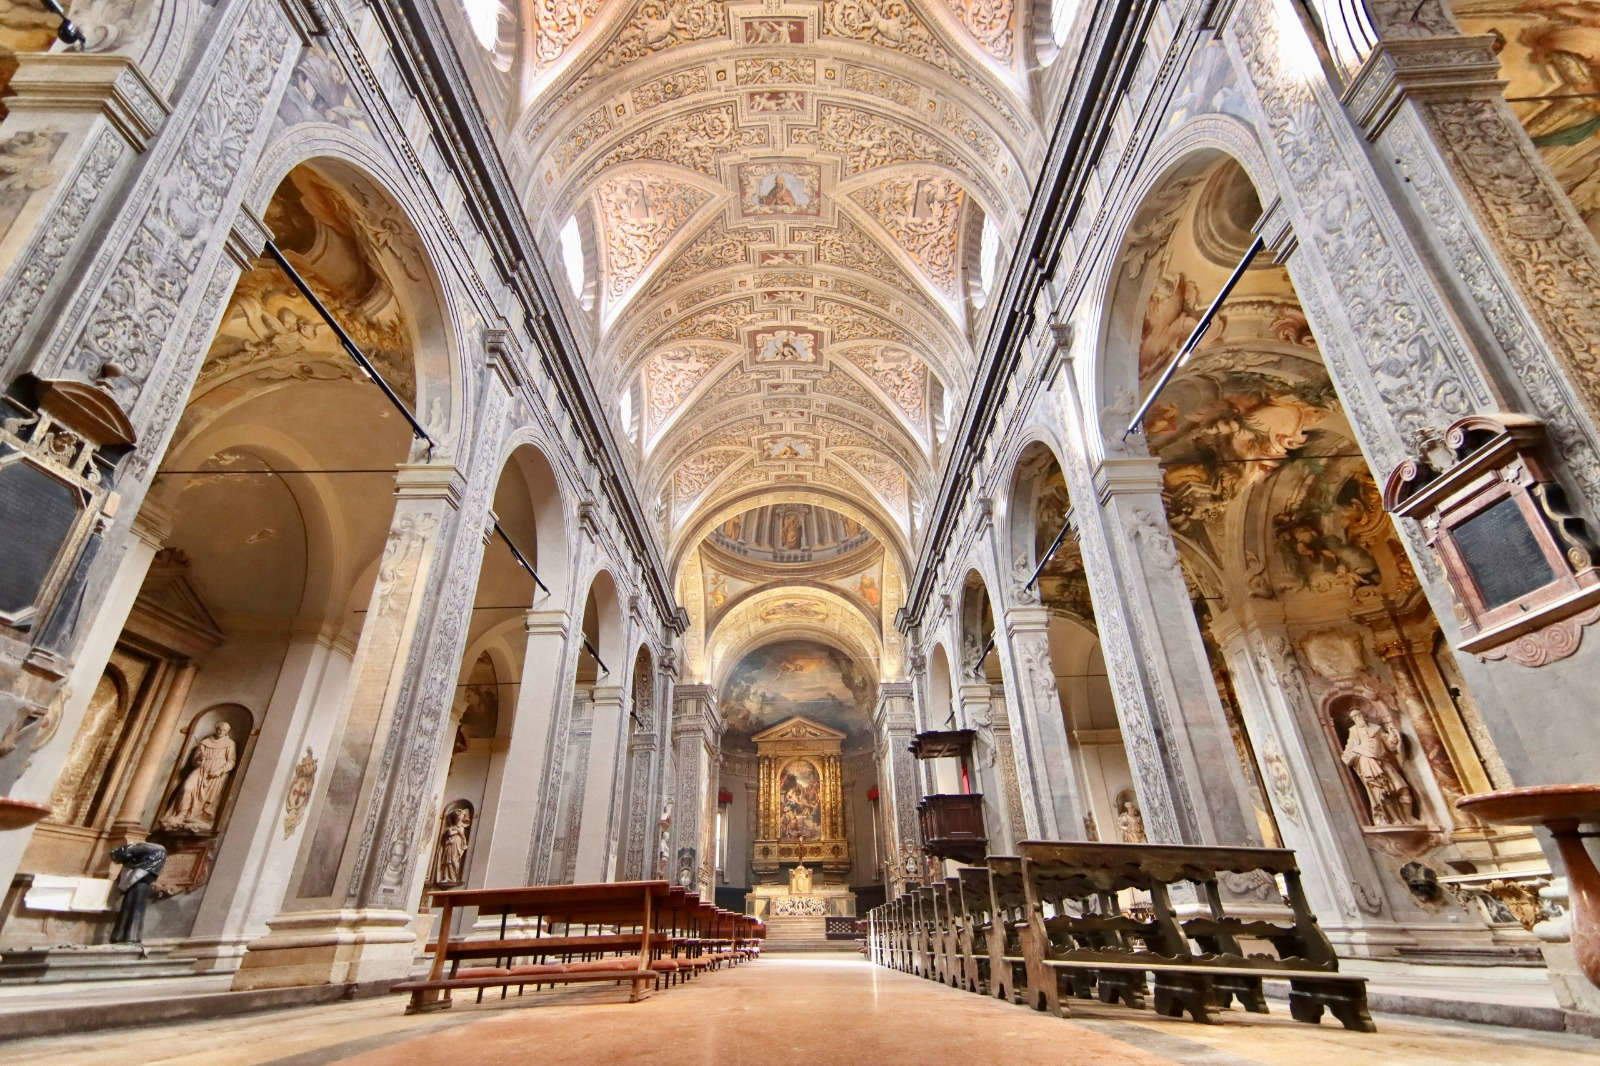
(772, 215)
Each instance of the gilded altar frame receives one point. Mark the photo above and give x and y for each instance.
(800, 738)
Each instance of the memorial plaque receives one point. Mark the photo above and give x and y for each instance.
(1502, 554)
(37, 511)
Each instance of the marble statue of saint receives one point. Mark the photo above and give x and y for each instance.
(194, 807)
(453, 840)
(800, 881)
(1130, 823)
(1372, 750)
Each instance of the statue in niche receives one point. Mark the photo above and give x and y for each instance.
(193, 808)
(800, 880)
(664, 832)
(451, 865)
(1373, 750)
(141, 863)
(1130, 823)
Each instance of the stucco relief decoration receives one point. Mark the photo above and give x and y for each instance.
(923, 216)
(773, 31)
(694, 141)
(639, 215)
(696, 474)
(298, 797)
(671, 375)
(989, 22)
(900, 374)
(556, 24)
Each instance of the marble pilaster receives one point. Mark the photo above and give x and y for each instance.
(696, 738)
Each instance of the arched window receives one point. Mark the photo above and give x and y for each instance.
(572, 255)
(1061, 15)
(988, 260)
(484, 16)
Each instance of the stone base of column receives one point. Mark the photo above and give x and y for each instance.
(330, 947)
(215, 954)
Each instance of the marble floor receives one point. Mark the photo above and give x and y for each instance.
(817, 1010)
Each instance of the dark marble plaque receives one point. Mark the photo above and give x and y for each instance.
(1501, 554)
(37, 512)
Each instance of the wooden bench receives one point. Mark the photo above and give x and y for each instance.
(1100, 946)
(1008, 900)
(968, 913)
(619, 956)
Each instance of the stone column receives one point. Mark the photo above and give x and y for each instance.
(1191, 788)
(696, 740)
(894, 723)
(130, 820)
(544, 685)
(361, 865)
(599, 801)
(256, 856)
(1343, 884)
(1440, 270)
(1045, 763)
(1514, 248)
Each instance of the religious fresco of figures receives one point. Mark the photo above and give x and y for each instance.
(1219, 431)
(784, 346)
(790, 532)
(1327, 532)
(1550, 57)
(796, 678)
(780, 188)
(722, 590)
(865, 586)
(799, 801)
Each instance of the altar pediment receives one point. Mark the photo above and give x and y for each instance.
(798, 728)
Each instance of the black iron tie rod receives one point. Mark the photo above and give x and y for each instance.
(67, 32)
(348, 343)
(1198, 332)
(1055, 545)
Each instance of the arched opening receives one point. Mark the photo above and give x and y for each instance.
(1302, 592)
(266, 530)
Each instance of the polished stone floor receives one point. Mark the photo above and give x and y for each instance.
(816, 1010)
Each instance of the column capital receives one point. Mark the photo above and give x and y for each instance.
(607, 694)
(547, 624)
(114, 85)
(1026, 618)
(694, 713)
(430, 481)
(1127, 475)
(1403, 68)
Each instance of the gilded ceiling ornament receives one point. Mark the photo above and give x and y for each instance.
(638, 215)
(868, 140)
(923, 215)
(716, 247)
(695, 141)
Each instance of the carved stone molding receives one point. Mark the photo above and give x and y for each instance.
(113, 85)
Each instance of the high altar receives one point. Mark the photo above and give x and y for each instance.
(801, 852)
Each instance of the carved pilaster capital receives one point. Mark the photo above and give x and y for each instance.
(547, 624)
(503, 353)
(113, 85)
(1127, 475)
(1398, 70)
(430, 481)
(246, 238)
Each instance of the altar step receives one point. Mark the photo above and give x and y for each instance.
(801, 934)
(90, 962)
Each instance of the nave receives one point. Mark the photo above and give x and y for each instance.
(822, 1009)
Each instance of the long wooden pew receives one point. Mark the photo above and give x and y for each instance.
(1096, 920)
(619, 956)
